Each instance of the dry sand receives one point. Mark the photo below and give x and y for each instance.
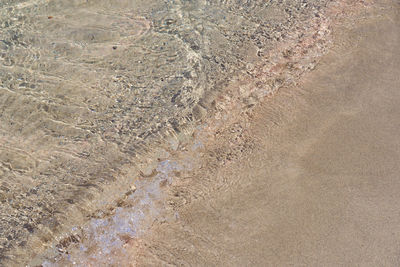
(315, 181)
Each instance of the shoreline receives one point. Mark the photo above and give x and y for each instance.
(184, 149)
(314, 180)
(226, 109)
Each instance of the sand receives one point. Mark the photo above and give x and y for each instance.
(90, 88)
(316, 179)
(306, 177)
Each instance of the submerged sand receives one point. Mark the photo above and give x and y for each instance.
(308, 177)
(90, 88)
(315, 180)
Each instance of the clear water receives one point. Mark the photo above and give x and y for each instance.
(89, 87)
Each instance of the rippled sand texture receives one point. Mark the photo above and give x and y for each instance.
(88, 86)
(311, 178)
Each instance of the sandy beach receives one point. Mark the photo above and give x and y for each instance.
(96, 98)
(200, 133)
(319, 186)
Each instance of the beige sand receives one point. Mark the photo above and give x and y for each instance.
(317, 182)
(88, 89)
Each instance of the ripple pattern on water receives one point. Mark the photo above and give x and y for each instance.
(87, 87)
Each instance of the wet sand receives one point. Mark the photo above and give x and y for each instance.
(90, 89)
(315, 181)
(307, 177)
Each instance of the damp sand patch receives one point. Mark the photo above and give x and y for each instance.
(89, 114)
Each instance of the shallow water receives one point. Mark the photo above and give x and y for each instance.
(320, 184)
(88, 87)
